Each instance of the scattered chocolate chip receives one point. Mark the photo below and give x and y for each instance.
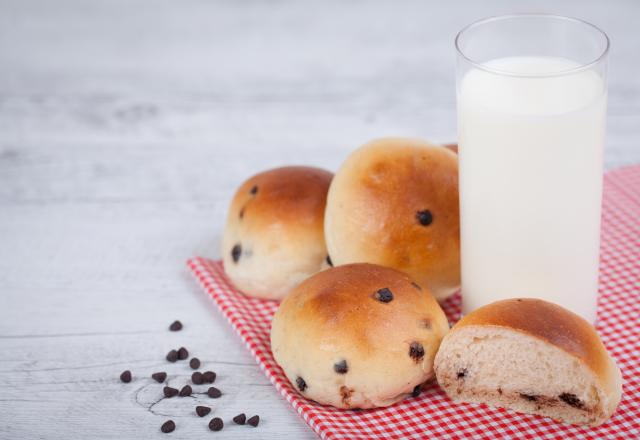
(172, 356)
(209, 377)
(202, 410)
(197, 378)
(341, 367)
(186, 391)
(175, 326)
(529, 397)
(216, 424)
(213, 392)
(426, 323)
(425, 218)
(383, 295)
(241, 214)
(183, 353)
(170, 392)
(416, 285)
(500, 391)
(416, 351)
(254, 190)
(235, 252)
(168, 426)
(194, 363)
(329, 262)
(253, 421)
(159, 377)
(461, 373)
(302, 385)
(416, 391)
(571, 400)
(240, 419)
(125, 376)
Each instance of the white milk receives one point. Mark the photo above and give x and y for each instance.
(531, 183)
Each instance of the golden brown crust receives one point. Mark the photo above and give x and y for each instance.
(374, 205)
(274, 236)
(379, 328)
(547, 321)
(293, 196)
(341, 300)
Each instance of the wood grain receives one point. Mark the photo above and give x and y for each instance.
(125, 126)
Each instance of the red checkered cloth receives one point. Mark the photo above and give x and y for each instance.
(432, 414)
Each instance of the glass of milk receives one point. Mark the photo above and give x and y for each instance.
(532, 98)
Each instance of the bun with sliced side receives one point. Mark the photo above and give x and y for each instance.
(273, 238)
(530, 356)
(358, 336)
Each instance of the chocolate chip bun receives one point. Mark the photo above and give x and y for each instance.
(394, 202)
(273, 238)
(358, 336)
(531, 356)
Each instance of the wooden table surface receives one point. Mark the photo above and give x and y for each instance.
(125, 127)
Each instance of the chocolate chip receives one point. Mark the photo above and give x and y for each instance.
(172, 356)
(213, 392)
(416, 285)
(329, 262)
(341, 367)
(235, 252)
(125, 376)
(345, 393)
(175, 326)
(253, 421)
(194, 363)
(461, 373)
(197, 378)
(302, 385)
(168, 426)
(571, 400)
(383, 295)
(186, 391)
(254, 190)
(241, 214)
(500, 391)
(416, 351)
(529, 397)
(426, 323)
(209, 377)
(170, 392)
(159, 377)
(183, 353)
(416, 391)
(240, 419)
(202, 410)
(216, 424)
(425, 218)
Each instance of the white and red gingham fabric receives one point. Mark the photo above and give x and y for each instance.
(432, 414)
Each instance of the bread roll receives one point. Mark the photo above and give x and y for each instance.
(394, 202)
(358, 336)
(274, 238)
(531, 356)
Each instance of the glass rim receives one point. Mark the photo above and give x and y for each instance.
(483, 66)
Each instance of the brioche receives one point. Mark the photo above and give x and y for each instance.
(358, 336)
(530, 356)
(273, 238)
(394, 202)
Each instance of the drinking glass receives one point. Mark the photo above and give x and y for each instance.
(531, 98)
